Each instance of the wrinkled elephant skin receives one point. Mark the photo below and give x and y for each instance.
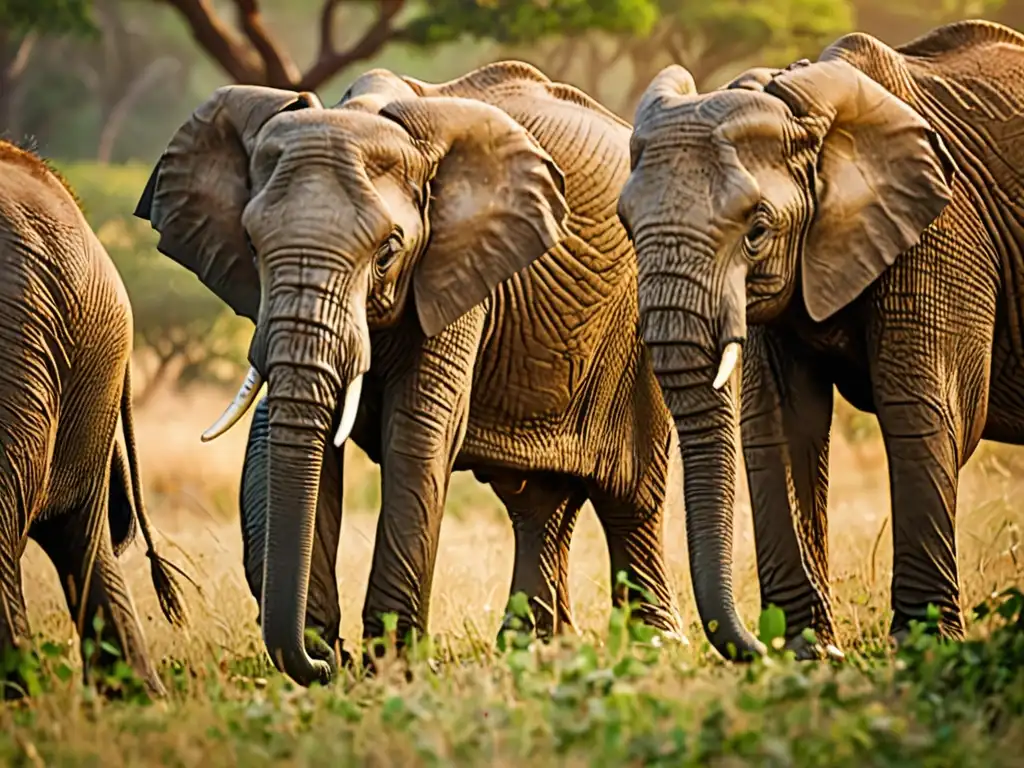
(65, 482)
(850, 223)
(437, 272)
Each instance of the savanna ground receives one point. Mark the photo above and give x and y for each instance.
(609, 697)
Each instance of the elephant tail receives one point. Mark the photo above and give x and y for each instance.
(162, 570)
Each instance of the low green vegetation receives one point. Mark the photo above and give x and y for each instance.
(621, 698)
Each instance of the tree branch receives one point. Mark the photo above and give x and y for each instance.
(618, 53)
(561, 58)
(278, 68)
(327, 28)
(644, 55)
(236, 58)
(20, 59)
(136, 89)
(330, 61)
(259, 60)
(716, 56)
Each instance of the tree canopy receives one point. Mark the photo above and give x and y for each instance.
(110, 80)
(49, 16)
(519, 21)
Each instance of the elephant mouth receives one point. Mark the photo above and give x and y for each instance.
(249, 392)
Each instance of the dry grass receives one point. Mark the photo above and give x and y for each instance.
(192, 493)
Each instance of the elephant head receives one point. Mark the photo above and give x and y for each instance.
(320, 225)
(791, 187)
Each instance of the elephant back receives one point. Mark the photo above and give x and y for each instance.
(589, 143)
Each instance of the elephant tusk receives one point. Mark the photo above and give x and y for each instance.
(246, 396)
(349, 410)
(730, 356)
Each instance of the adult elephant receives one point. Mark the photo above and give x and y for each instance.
(65, 482)
(489, 204)
(823, 206)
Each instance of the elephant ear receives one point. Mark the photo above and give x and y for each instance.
(497, 203)
(756, 78)
(197, 191)
(373, 90)
(671, 86)
(883, 177)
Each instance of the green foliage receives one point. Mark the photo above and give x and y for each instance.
(761, 32)
(941, 11)
(976, 679)
(514, 21)
(764, 22)
(621, 697)
(49, 16)
(191, 333)
(771, 629)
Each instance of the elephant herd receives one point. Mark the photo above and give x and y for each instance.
(497, 274)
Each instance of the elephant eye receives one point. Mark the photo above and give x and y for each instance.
(388, 252)
(757, 236)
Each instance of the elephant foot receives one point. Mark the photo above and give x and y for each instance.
(949, 627)
(12, 661)
(898, 639)
(372, 656)
(804, 650)
(672, 637)
(320, 650)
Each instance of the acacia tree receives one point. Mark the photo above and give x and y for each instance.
(899, 21)
(250, 53)
(711, 40)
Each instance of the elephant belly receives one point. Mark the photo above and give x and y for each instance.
(549, 368)
(1005, 420)
(536, 354)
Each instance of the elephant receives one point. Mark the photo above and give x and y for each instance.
(850, 224)
(65, 378)
(488, 203)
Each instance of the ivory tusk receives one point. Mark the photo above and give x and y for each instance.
(730, 356)
(246, 396)
(349, 410)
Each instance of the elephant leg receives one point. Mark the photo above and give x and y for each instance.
(79, 545)
(24, 476)
(633, 526)
(14, 628)
(929, 431)
(923, 480)
(785, 422)
(543, 510)
(931, 397)
(424, 417)
(323, 613)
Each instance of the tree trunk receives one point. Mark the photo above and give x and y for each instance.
(137, 88)
(15, 53)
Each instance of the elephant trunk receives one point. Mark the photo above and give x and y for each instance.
(298, 432)
(309, 368)
(686, 350)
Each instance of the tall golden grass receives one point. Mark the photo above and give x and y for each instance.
(192, 491)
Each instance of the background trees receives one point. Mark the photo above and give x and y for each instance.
(99, 85)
